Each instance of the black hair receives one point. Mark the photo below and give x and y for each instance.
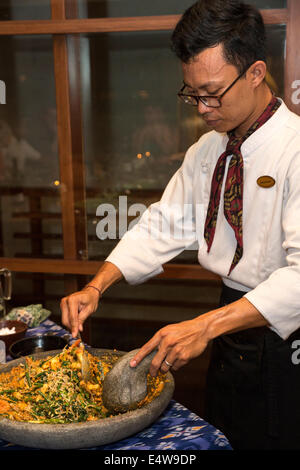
(208, 23)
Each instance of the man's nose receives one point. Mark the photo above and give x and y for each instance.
(203, 109)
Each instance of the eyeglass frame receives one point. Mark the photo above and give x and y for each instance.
(218, 97)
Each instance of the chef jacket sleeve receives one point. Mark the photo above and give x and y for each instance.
(164, 230)
(278, 297)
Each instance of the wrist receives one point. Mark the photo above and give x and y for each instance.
(95, 288)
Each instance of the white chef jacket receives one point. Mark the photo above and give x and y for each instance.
(269, 271)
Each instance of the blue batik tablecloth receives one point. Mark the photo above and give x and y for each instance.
(176, 429)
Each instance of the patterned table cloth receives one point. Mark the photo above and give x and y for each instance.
(176, 429)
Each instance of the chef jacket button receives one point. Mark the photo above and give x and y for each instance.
(204, 167)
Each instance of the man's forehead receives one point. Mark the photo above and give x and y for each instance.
(208, 68)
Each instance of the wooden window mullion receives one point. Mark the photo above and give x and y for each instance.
(292, 63)
(107, 25)
(69, 128)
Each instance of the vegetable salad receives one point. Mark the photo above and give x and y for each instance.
(51, 390)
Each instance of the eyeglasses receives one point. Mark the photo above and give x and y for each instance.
(208, 101)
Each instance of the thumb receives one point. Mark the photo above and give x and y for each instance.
(84, 313)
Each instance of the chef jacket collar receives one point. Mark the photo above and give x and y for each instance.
(264, 132)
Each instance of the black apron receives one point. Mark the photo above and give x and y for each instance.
(253, 387)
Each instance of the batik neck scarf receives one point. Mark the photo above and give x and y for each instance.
(233, 194)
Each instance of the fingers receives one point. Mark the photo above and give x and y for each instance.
(171, 362)
(166, 365)
(83, 315)
(158, 362)
(76, 308)
(177, 345)
(65, 312)
(144, 351)
(163, 360)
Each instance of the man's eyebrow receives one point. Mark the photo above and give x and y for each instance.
(205, 85)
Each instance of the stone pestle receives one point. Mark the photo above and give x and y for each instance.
(125, 386)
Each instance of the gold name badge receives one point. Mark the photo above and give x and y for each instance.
(266, 182)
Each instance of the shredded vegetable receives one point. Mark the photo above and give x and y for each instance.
(51, 390)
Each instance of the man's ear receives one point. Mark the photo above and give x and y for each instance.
(257, 73)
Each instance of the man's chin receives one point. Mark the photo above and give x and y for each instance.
(217, 125)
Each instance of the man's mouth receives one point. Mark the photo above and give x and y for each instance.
(211, 122)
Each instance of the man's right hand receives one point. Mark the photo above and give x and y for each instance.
(77, 307)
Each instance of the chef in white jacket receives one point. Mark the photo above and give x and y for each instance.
(237, 194)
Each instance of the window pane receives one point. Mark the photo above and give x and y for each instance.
(25, 10)
(123, 8)
(136, 131)
(276, 36)
(267, 4)
(30, 202)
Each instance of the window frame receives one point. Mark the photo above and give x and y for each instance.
(65, 28)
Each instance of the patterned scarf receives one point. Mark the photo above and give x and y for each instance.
(233, 195)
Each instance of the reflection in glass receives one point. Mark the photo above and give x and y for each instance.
(25, 10)
(136, 130)
(276, 36)
(267, 4)
(123, 8)
(29, 178)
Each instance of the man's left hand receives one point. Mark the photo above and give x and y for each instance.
(177, 344)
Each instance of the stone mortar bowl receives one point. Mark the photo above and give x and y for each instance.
(86, 434)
